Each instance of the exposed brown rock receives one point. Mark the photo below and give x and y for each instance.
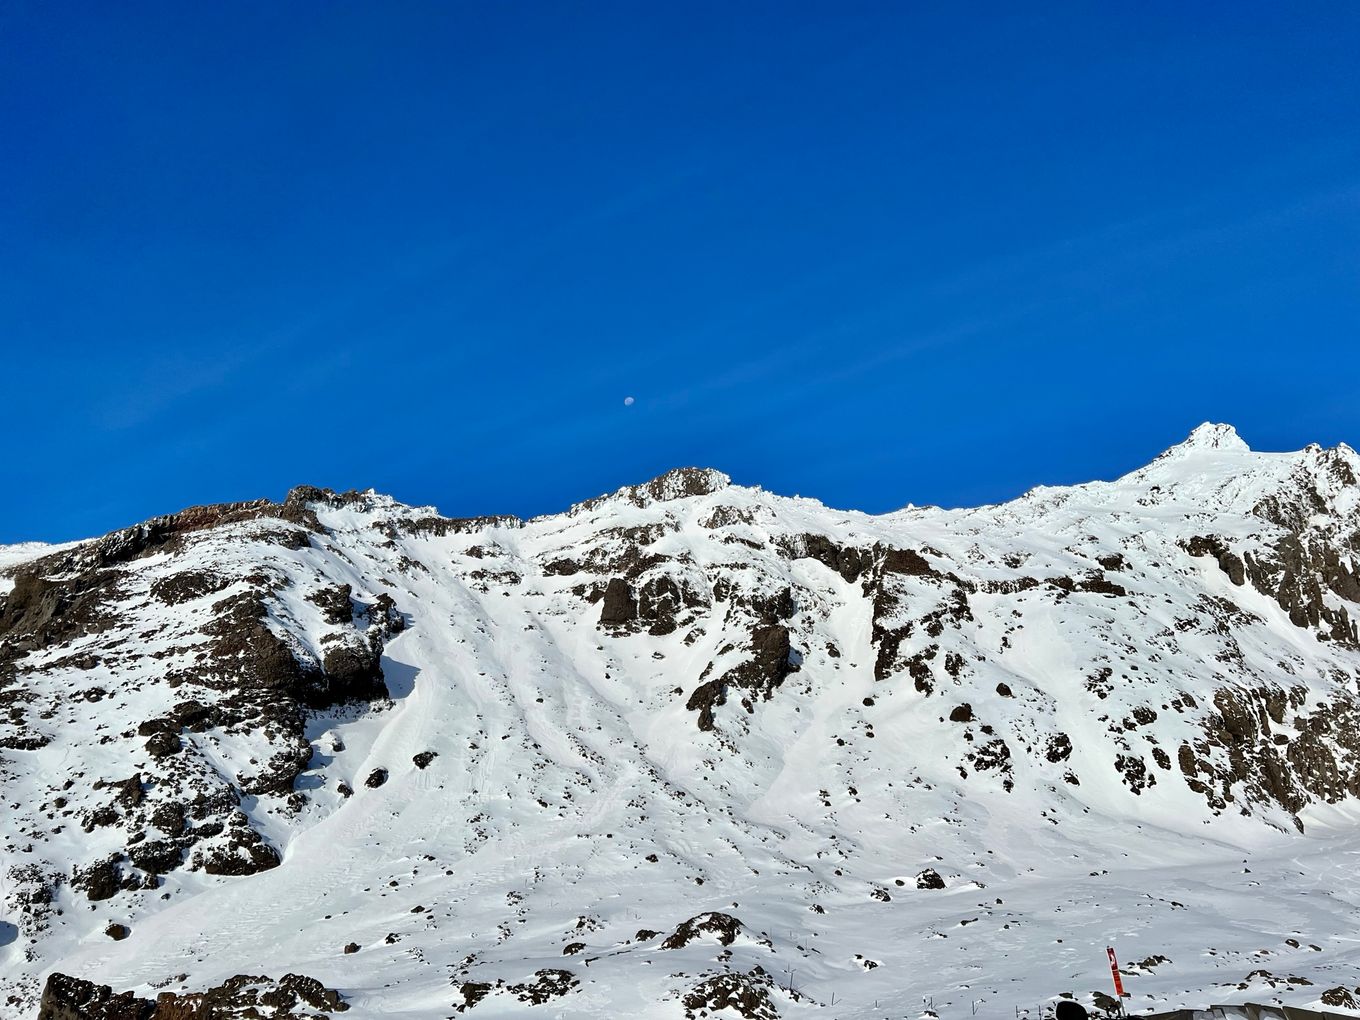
(351, 671)
(547, 984)
(69, 998)
(423, 759)
(245, 853)
(724, 927)
(907, 561)
(847, 561)
(335, 603)
(99, 880)
(765, 670)
(620, 604)
(747, 994)
(929, 879)
(157, 856)
(292, 997)
(187, 586)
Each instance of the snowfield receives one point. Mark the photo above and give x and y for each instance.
(695, 749)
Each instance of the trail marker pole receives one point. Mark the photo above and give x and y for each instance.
(1118, 982)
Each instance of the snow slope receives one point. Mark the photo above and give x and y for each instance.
(1121, 713)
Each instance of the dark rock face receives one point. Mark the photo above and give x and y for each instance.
(620, 604)
(350, 672)
(704, 699)
(100, 880)
(188, 586)
(335, 604)
(162, 745)
(69, 998)
(169, 818)
(278, 775)
(473, 992)
(1297, 572)
(441, 526)
(1134, 772)
(544, 986)
(547, 984)
(770, 646)
(267, 679)
(688, 481)
(929, 879)
(292, 997)
(1230, 563)
(675, 484)
(896, 586)
(769, 664)
(245, 853)
(129, 791)
(995, 755)
(376, 778)
(1319, 763)
(907, 561)
(157, 856)
(659, 602)
(747, 994)
(423, 759)
(724, 927)
(255, 681)
(246, 655)
(42, 612)
(1340, 996)
(849, 562)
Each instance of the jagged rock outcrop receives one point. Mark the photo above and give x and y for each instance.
(769, 662)
(723, 927)
(292, 997)
(746, 994)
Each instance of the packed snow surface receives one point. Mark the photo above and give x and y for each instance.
(575, 815)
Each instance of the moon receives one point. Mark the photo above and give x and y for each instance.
(627, 401)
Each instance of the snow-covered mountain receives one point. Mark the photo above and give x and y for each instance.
(692, 749)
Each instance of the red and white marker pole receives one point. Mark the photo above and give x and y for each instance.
(1114, 972)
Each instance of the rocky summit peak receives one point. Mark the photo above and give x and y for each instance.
(685, 481)
(1211, 436)
(677, 483)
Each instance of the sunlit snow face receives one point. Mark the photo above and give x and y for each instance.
(558, 778)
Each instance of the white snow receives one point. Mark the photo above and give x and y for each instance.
(566, 757)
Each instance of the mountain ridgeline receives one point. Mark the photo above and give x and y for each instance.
(688, 721)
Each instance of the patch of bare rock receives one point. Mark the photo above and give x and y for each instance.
(291, 997)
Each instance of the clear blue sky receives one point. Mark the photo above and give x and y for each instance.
(878, 253)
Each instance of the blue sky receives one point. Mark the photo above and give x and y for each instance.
(875, 253)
